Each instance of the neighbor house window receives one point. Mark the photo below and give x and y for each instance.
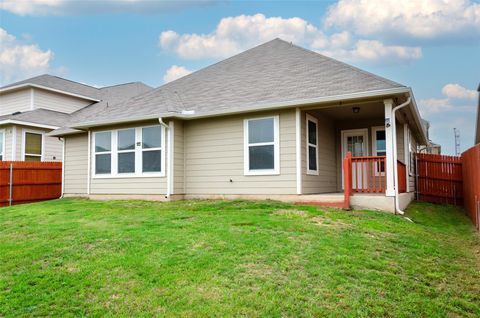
(312, 145)
(129, 152)
(261, 154)
(33, 144)
(2, 144)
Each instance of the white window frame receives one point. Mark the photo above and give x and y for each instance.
(24, 139)
(275, 143)
(411, 150)
(378, 172)
(310, 118)
(4, 139)
(138, 155)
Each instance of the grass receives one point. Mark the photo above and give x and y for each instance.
(75, 257)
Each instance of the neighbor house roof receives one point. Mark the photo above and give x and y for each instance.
(276, 72)
(37, 117)
(111, 93)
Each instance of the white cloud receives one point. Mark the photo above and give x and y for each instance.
(19, 60)
(454, 94)
(175, 72)
(425, 19)
(375, 52)
(458, 91)
(76, 7)
(235, 34)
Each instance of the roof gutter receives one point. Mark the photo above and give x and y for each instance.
(256, 107)
(26, 123)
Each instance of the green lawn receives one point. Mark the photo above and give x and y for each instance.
(235, 258)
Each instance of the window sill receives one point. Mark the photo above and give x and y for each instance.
(312, 173)
(129, 175)
(262, 173)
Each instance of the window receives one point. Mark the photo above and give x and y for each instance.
(129, 152)
(379, 147)
(103, 153)
(2, 144)
(261, 154)
(33, 146)
(411, 154)
(151, 149)
(126, 151)
(312, 145)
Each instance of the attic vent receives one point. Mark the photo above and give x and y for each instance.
(16, 113)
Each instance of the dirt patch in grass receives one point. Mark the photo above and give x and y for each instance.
(322, 221)
(291, 212)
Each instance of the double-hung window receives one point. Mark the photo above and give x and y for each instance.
(103, 153)
(261, 151)
(129, 152)
(312, 145)
(33, 146)
(2, 144)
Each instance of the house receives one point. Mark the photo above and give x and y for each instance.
(431, 148)
(273, 122)
(34, 107)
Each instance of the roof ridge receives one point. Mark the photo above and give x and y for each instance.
(127, 83)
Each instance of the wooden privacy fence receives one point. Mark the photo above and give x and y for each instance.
(471, 183)
(24, 182)
(440, 179)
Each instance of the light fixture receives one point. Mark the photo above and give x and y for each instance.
(356, 109)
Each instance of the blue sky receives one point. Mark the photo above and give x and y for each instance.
(432, 46)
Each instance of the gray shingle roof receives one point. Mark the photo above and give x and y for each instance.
(274, 72)
(62, 84)
(40, 116)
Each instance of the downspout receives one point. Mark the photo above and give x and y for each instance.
(395, 165)
(169, 153)
(62, 139)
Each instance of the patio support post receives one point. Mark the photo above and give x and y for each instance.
(390, 191)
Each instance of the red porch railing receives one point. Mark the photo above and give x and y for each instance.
(368, 174)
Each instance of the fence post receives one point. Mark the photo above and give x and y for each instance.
(10, 197)
(347, 179)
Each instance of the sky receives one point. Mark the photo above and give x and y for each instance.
(432, 46)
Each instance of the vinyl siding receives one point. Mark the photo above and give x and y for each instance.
(400, 143)
(179, 159)
(131, 185)
(215, 155)
(52, 146)
(18, 101)
(58, 102)
(76, 164)
(7, 130)
(326, 181)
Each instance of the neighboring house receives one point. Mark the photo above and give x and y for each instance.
(272, 122)
(431, 148)
(32, 108)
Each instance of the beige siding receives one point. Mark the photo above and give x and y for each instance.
(179, 159)
(7, 130)
(52, 150)
(76, 164)
(18, 101)
(58, 102)
(214, 156)
(131, 185)
(412, 175)
(326, 181)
